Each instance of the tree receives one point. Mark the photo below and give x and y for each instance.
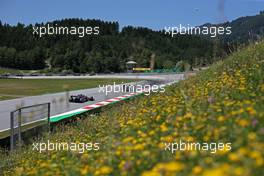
(168, 64)
(38, 58)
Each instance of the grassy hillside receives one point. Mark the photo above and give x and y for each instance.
(222, 104)
(11, 71)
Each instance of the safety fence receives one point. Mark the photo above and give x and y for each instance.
(26, 118)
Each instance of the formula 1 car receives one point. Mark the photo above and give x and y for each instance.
(80, 98)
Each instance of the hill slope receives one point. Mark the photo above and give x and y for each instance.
(244, 30)
(222, 104)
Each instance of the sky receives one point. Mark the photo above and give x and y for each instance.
(154, 14)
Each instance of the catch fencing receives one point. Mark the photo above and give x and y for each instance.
(24, 119)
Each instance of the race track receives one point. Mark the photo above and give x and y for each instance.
(59, 101)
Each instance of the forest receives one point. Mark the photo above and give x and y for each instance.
(114, 46)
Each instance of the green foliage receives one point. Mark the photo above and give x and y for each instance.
(244, 30)
(108, 51)
(183, 66)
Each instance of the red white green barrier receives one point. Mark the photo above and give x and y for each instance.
(65, 115)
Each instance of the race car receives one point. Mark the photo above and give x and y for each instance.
(80, 98)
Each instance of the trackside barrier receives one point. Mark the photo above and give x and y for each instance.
(84, 109)
(26, 118)
(173, 70)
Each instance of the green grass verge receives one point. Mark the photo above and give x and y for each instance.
(4, 97)
(14, 71)
(222, 104)
(14, 88)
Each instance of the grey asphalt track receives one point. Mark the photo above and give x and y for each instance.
(59, 101)
(145, 76)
